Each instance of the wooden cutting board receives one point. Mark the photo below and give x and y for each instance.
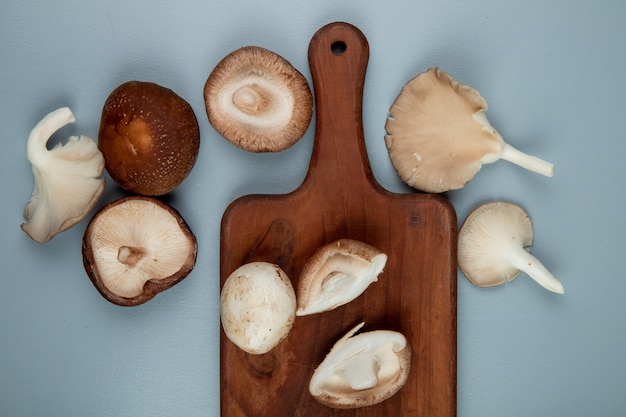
(339, 198)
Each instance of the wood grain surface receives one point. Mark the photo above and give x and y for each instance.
(339, 198)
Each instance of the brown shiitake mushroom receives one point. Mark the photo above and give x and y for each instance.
(258, 101)
(149, 137)
(137, 247)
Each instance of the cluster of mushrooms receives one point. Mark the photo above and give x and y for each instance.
(259, 305)
(438, 137)
(148, 141)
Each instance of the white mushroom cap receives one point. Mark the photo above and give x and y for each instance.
(438, 135)
(257, 307)
(257, 100)
(362, 370)
(494, 245)
(336, 274)
(136, 247)
(67, 183)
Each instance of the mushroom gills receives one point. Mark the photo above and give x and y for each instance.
(258, 101)
(438, 136)
(136, 240)
(494, 246)
(362, 369)
(337, 274)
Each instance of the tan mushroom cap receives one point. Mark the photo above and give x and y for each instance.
(336, 274)
(362, 370)
(438, 136)
(494, 246)
(136, 247)
(258, 101)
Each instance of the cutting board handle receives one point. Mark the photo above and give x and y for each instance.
(338, 56)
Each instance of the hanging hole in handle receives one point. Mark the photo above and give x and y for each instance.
(338, 47)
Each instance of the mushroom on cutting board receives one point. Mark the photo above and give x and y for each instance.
(258, 101)
(257, 307)
(494, 246)
(137, 247)
(336, 274)
(67, 178)
(149, 136)
(438, 135)
(362, 370)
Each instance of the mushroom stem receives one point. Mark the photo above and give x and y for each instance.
(524, 261)
(526, 161)
(130, 255)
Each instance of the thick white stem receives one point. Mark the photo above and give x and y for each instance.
(524, 261)
(526, 161)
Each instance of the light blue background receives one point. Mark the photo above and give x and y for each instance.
(553, 74)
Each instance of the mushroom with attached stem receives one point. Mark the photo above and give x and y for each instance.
(438, 135)
(336, 274)
(494, 246)
(67, 178)
(137, 247)
(258, 101)
(362, 370)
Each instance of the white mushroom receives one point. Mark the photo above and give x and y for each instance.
(438, 135)
(67, 183)
(136, 247)
(257, 100)
(336, 274)
(257, 306)
(494, 246)
(362, 370)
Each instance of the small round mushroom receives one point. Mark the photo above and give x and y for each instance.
(137, 247)
(438, 135)
(336, 274)
(149, 137)
(494, 246)
(258, 101)
(257, 307)
(362, 370)
(68, 180)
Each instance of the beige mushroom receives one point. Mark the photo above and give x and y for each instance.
(336, 274)
(362, 370)
(257, 306)
(137, 247)
(494, 246)
(68, 180)
(438, 135)
(257, 100)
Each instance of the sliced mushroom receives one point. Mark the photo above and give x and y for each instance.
(494, 246)
(67, 178)
(149, 136)
(438, 135)
(137, 247)
(336, 274)
(257, 100)
(362, 370)
(257, 306)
